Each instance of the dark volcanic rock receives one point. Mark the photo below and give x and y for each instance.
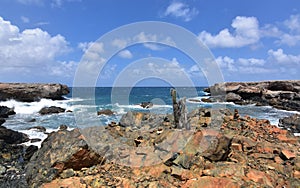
(5, 112)
(51, 110)
(291, 122)
(61, 150)
(107, 112)
(2, 121)
(12, 137)
(146, 104)
(32, 92)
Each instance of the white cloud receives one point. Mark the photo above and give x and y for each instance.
(25, 19)
(119, 43)
(30, 2)
(246, 32)
(181, 10)
(293, 23)
(30, 52)
(126, 54)
(280, 57)
(251, 62)
(59, 3)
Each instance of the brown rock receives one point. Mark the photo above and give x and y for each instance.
(107, 112)
(211, 182)
(287, 155)
(259, 177)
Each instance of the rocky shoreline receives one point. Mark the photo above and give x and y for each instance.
(279, 94)
(25, 92)
(203, 148)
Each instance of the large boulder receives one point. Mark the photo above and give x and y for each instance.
(106, 112)
(5, 112)
(60, 150)
(26, 92)
(51, 110)
(12, 137)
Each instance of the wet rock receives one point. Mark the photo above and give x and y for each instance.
(232, 97)
(5, 112)
(33, 140)
(39, 128)
(32, 92)
(12, 137)
(291, 122)
(63, 127)
(2, 121)
(146, 104)
(32, 120)
(51, 110)
(106, 112)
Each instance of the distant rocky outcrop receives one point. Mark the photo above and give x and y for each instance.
(51, 110)
(146, 104)
(106, 112)
(279, 94)
(26, 92)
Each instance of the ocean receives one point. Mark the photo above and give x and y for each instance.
(120, 101)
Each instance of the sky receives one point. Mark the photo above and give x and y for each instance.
(47, 40)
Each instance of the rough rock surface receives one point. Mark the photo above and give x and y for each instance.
(5, 112)
(107, 112)
(292, 123)
(60, 151)
(51, 110)
(242, 152)
(32, 92)
(12, 137)
(279, 94)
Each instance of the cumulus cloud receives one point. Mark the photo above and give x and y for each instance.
(181, 10)
(31, 52)
(280, 57)
(126, 54)
(246, 32)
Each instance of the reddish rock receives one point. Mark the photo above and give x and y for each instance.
(211, 182)
(259, 177)
(296, 174)
(286, 154)
(66, 183)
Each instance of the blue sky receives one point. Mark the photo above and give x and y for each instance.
(44, 40)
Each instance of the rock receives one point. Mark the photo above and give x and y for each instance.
(107, 112)
(39, 128)
(60, 150)
(279, 94)
(33, 140)
(232, 97)
(63, 127)
(51, 110)
(5, 111)
(146, 104)
(32, 120)
(26, 92)
(211, 182)
(291, 122)
(12, 137)
(259, 177)
(67, 173)
(29, 152)
(2, 121)
(140, 119)
(2, 169)
(287, 155)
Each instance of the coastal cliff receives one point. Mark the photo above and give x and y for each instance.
(279, 94)
(26, 92)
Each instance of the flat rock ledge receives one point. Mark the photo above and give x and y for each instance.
(27, 92)
(279, 94)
